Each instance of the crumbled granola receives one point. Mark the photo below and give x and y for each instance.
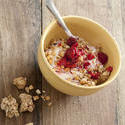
(35, 98)
(20, 82)
(38, 91)
(10, 106)
(49, 104)
(26, 102)
(27, 89)
(47, 98)
(31, 87)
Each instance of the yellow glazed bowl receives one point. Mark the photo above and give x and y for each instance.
(91, 32)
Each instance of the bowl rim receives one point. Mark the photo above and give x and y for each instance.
(45, 32)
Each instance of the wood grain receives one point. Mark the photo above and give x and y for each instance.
(20, 31)
(107, 106)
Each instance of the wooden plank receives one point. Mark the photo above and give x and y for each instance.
(121, 80)
(20, 30)
(103, 107)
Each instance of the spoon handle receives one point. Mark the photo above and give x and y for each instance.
(50, 5)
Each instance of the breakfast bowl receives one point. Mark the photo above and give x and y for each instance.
(92, 32)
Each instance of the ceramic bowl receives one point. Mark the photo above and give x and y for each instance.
(91, 32)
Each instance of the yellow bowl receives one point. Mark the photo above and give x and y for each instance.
(91, 32)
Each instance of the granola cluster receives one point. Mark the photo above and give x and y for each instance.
(13, 108)
(26, 102)
(10, 106)
(77, 61)
(20, 82)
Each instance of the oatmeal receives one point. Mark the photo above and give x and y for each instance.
(77, 61)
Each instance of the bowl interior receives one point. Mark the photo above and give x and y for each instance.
(91, 32)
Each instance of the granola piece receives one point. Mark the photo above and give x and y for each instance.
(29, 123)
(27, 89)
(69, 79)
(20, 82)
(43, 97)
(61, 53)
(49, 104)
(67, 69)
(35, 98)
(83, 81)
(76, 77)
(38, 91)
(104, 76)
(26, 102)
(47, 98)
(43, 91)
(10, 106)
(31, 87)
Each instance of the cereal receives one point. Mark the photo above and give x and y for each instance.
(26, 102)
(10, 106)
(76, 60)
(20, 82)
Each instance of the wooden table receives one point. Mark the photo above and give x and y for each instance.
(21, 25)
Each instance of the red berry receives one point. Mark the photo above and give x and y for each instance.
(89, 72)
(59, 44)
(81, 52)
(102, 57)
(109, 69)
(75, 44)
(62, 62)
(87, 47)
(95, 75)
(80, 66)
(70, 64)
(72, 53)
(71, 41)
(90, 56)
(86, 64)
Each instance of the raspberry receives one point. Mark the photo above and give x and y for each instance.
(70, 64)
(72, 53)
(87, 47)
(75, 44)
(86, 64)
(90, 56)
(94, 75)
(71, 41)
(102, 57)
(81, 52)
(59, 44)
(62, 62)
(109, 69)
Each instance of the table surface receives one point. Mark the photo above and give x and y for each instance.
(21, 25)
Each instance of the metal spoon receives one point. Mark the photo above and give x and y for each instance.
(50, 5)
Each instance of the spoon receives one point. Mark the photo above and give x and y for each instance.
(50, 5)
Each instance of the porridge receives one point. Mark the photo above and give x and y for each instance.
(77, 61)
